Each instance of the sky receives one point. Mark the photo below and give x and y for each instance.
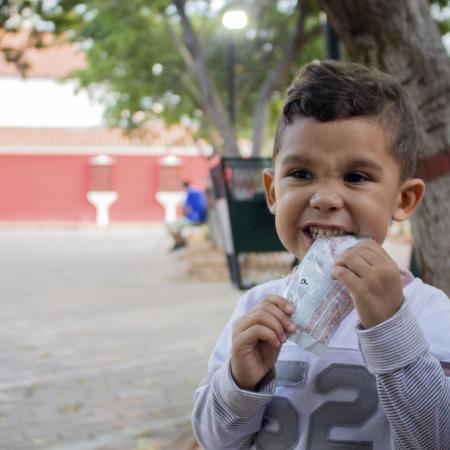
(46, 103)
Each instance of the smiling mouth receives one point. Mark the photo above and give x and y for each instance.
(316, 232)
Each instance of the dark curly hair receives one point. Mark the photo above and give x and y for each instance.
(332, 90)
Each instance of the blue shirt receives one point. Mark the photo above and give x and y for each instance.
(195, 205)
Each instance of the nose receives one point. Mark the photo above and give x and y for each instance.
(326, 199)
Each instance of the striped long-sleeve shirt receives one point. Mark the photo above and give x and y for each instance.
(381, 388)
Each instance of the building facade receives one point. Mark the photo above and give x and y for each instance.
(55, 150)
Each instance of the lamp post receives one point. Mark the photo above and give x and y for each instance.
(232, 20)
(332, 44)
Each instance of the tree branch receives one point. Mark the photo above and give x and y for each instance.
(186, 81)
(209, 91)
(277, 76)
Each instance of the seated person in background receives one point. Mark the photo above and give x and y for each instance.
(194, 213)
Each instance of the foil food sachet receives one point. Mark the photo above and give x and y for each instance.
(320, 302)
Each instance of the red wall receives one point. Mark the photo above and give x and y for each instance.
(54, 187)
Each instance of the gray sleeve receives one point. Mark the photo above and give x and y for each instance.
(412, 386)
(225, 416)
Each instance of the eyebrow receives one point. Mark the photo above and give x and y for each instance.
(308, 162)
(367, 163)
(295, 159)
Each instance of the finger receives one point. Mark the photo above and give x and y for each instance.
(349, 279)
(281, 302)
(383, 255)
(377, 249)
(367, 250)
(379, 257)
(260, 316)
(372, 258)
(356, 263)
(282, 316)
(258, 333)
(277, 306)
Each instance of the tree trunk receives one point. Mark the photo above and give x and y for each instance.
(402, 38)
(215, 108)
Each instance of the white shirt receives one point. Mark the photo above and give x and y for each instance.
(381, 388)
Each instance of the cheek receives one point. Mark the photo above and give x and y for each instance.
(285, 229)
(288, 211)
(376, 223)
(281, 224)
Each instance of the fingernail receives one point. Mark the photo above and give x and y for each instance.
(283, 338)
(289, 309)
(292, 327)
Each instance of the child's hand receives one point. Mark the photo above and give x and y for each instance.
(373, 279)
(257, 339)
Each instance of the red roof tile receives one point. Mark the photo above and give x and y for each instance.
(175, 135)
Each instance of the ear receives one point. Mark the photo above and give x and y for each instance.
(409, 198)
(269, 189)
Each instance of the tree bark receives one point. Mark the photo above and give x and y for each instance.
(402, 38)
(215, 108)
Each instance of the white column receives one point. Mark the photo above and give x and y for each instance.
(102, 200)
(170, 202)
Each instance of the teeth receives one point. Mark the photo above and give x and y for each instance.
(325, 232)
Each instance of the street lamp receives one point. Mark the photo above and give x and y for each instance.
(232, 20)
(332, 44)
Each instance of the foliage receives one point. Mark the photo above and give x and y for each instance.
(441, 13)
(135, 49)
(136, 52)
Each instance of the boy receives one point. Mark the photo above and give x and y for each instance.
(343, 163)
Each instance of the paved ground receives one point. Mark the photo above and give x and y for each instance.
(101, 344)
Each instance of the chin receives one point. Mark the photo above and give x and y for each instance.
(302, 245)
(300, 250)
(298, 244)
(305, 242)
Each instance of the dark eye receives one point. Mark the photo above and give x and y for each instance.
(355, 177)
(300, 174)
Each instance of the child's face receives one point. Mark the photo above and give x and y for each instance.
(335, 177)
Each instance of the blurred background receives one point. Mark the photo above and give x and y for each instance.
(106, 108)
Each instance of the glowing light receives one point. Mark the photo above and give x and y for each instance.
(234, 19)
